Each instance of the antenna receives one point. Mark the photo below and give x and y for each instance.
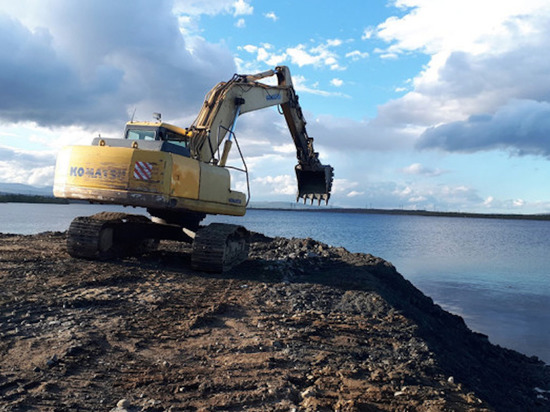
(157, 116)
(133, 114)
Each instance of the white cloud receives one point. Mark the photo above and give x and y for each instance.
(410, 195)
(263, 54)
(320, 55)
(62, 71)
(282, 184)
(198, 7)
(488, 201)
(271, 59)
(271, 15)
(447, 197)
(301, 57)
(519, 202)
(241, 23)
(417, 199)
(403, 192)
(420, 170)
(337, 82)
(285, 148)
(250, 48)
(356, 55)
(361, 135)
(241, 8)
(334, 42)
(368, 33)
(449, 25)
(300, 84)
(472, 95)
(41, 176)
(515, 205)
(522, 127)
(343, 186)
(27, 167)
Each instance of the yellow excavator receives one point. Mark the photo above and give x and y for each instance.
(180, 175)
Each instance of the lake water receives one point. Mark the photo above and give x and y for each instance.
(494, 273)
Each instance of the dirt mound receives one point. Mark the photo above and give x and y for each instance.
(299, 326)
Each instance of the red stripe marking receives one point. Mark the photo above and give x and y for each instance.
(143, 170)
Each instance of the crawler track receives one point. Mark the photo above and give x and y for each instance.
(219, 247)
(216, 248)
(109, 235)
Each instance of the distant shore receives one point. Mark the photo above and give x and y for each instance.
(413, 213)
(22, 198)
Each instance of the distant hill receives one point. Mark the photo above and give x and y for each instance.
(22, 189)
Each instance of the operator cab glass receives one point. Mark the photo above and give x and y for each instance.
(156, 133)
(139, 134)
(172, 137)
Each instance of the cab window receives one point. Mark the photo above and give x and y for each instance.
(172, 137)
(175, 138)
(135, 134)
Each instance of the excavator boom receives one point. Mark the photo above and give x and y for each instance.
(244, 93)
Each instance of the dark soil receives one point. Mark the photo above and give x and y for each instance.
(299, 326)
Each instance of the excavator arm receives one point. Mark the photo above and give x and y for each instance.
(244, 93)
(314, 179)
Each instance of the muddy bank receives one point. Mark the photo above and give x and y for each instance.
(299, 326)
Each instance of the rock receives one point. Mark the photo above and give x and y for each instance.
(123, 403)
(309, 392)
(52, 361)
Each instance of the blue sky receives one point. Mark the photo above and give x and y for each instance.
(418, 104)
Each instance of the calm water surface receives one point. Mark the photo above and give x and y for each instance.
(494, 273)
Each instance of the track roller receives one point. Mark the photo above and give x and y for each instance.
(219, 247)
(109, 235)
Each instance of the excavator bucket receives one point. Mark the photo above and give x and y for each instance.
(314, 184)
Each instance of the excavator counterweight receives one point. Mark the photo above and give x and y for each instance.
(180, 175)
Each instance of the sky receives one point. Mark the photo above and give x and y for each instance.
(417, 104)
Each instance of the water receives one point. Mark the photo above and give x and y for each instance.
(493, 273)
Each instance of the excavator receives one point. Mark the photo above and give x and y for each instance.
(180, 175)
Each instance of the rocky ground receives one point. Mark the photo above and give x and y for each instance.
(299, 326)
